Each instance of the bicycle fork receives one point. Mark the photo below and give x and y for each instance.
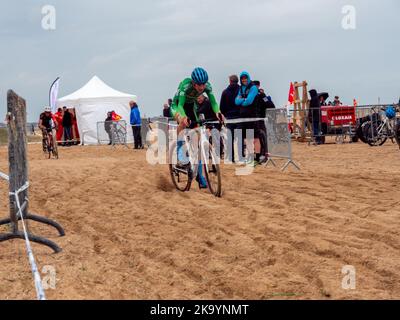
(198, 157)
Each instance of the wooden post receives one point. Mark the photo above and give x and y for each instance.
(18, 168)
(301, 104)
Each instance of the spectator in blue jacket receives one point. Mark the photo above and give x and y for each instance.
(247, 101)
(136, 123)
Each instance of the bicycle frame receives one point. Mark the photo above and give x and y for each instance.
(119, 135)
(388, 125)
(194, 155)
(48, 137)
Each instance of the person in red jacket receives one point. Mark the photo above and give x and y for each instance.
(60, 132)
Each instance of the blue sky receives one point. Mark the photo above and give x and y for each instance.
(147, 47)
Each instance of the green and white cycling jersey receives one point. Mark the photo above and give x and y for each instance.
(187, 95)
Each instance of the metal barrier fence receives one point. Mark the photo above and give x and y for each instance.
(120, 133)
(112, 132)
(275, 129)
(378, 124)
(341, 122)
(155, 124)
(145, 130)
(279, 141)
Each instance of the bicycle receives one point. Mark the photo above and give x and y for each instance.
(379, 131)
(119, 134)
(182, 176)
(49, 143)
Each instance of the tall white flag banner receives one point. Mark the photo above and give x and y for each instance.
(53, 95)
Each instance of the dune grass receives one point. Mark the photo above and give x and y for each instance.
(4, 137)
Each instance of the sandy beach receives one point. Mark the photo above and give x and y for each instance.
(273, 235)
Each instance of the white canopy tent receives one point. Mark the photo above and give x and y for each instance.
(92, 102)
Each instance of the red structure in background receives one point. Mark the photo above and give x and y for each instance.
(338, 117)
(335, 120)
(60, 132)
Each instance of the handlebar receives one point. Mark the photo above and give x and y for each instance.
(204, 121)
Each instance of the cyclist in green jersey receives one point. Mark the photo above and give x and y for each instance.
(184, 104)
(184, 108)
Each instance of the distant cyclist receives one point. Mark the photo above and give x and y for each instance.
(185, 109)
(47, 122)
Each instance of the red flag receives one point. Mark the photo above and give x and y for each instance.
(291, 94)
(115, 116)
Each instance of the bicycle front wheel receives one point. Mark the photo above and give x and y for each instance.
(182, 177)
(213, 172)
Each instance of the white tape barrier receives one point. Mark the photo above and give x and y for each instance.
(4, 176)
(236, 121)
(36, 275)
(232, 121)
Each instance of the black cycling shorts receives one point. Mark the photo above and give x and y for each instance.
(189, 110)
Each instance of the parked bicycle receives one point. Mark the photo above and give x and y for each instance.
(118, 134)
(381, 126)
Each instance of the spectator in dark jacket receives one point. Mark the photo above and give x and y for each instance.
(107, 126)
(167, 109)
(315, 115)
(227, 105)
(337, 102)
(67, 125)
(204, 107)
(136, 123)
(230, 110)
(264, 103)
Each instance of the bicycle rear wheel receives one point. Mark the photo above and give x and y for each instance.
(181, 177)
(213, 172)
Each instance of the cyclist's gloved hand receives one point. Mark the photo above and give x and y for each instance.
(186, 121)
(221, 118)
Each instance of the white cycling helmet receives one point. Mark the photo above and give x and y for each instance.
(47, 109)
